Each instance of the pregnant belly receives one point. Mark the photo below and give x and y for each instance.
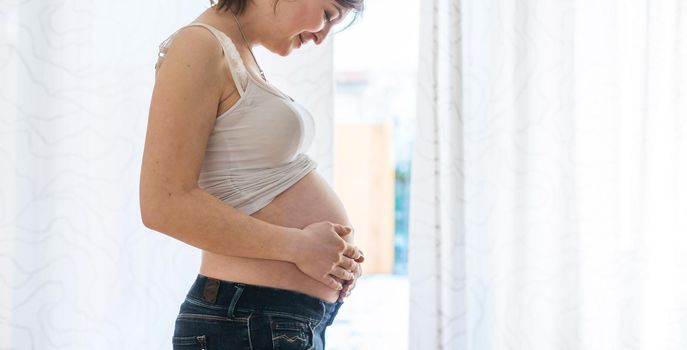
(310, 200)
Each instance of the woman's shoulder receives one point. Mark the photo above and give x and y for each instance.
(204, 46)
(192, 44)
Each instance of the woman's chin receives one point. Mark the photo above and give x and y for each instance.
(294, 45)
(284, 51)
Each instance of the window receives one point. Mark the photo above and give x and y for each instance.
(374, 115)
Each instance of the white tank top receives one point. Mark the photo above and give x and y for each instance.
(255, 150)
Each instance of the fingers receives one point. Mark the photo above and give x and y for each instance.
(347, 263)
(342, 273)
(346, 291)
(353, 252)
(350, 250)
(332, 283)
(342, 230)
(351, 265)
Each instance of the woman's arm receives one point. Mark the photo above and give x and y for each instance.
(188, 87)
(203, 221)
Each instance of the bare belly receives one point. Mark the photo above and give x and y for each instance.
(310, 200)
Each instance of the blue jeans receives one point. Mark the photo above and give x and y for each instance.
(218, 314)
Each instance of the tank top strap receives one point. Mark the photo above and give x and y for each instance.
(231, 54)
(162, 50)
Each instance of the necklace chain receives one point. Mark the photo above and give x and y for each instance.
(262, 74)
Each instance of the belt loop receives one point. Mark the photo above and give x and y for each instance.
(235, 298)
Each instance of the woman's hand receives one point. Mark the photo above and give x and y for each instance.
(350, 284)
(321, 253)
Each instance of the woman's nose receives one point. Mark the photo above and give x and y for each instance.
(310, 37)
(319, 37)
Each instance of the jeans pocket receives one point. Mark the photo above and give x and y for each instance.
(201, 332)
(291, 334)
(194, 342)
(280, 332)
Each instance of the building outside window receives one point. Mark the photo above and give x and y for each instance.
(376, 83)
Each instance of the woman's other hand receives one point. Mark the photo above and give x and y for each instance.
(321, 253)
(349, 285)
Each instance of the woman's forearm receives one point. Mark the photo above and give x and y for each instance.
(199, 219)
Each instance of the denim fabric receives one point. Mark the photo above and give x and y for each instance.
(218, 314)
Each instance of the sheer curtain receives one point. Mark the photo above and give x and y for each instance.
(78, 270)
(549, 184)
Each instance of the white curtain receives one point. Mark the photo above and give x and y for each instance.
(78, 270)
(549, 178)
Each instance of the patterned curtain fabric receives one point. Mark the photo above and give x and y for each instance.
(78, 270)
(549, 181)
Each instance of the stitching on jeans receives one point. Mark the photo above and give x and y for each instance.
(312, 337)
(277, 313)
(250, 342)
(288, 338)
(201, 304)
(324, 313)
(209, 317)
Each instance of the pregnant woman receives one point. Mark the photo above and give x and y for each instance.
(224, 170)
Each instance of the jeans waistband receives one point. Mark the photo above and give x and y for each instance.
(240, 298)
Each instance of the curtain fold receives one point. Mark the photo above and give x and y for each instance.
(548, 204)
(78, 270)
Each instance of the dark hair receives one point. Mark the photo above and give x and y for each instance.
(228, 5)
